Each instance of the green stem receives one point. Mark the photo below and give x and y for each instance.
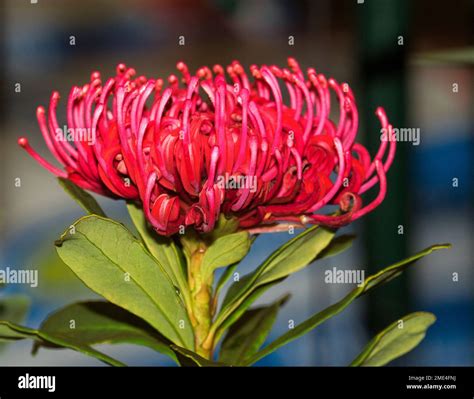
(203, 304)
(201, 296)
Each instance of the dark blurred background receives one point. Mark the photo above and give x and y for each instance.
(413, 57)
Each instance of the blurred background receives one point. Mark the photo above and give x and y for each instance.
(413, 57)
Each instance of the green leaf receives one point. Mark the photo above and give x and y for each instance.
(193, 241)
(289, 258)
(225, 251)
(188, 358)
(249, 333)
(224, 277)
(296, 256)
(396, 269)
(371, 282)
(337, 246)
(396, 340)
(13, 308)
(58, 282)
(228, 273)
(165, 251)
(111, 262)
(97, 322)
(241, 309)
(83, 198)
(223, 227)
(12, 331)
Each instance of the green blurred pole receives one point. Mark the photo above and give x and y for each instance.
(382, 25)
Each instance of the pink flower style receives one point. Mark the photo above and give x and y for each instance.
(188, 152)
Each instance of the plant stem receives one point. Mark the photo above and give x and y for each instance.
(201, 293)
(203, 305)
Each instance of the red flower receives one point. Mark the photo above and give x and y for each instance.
(210, 147)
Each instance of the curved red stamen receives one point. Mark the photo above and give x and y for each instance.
(23, 142)
(381, 195)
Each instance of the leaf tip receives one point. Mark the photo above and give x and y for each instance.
(445, 246)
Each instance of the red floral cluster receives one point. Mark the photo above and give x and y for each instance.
(208, 144)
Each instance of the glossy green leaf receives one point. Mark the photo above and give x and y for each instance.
(296, 256)
(396, 340)
(249, 333)
(223, 227)
(396, 269)
(83, 198)
(14, 309)
(58, 282)
(164, 249)
(192, 241)
(97, 322)
(229, 271)
(289, 258)
(13, 332)
(224, 251)
(337, 246)
(111, 262)
(241, 309)
(371, 282)
(187, 358)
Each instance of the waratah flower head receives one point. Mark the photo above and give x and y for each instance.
(259, 148)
